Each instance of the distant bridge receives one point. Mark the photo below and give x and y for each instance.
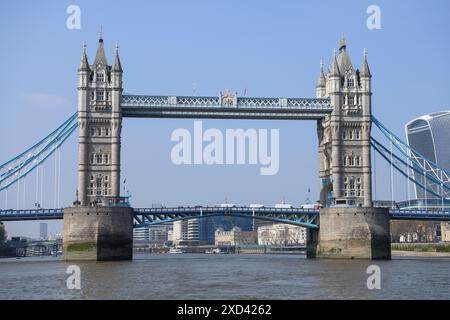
(308, 218)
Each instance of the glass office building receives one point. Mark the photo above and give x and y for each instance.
(208, 226)
(430, 136)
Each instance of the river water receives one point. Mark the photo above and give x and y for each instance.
(233, 276)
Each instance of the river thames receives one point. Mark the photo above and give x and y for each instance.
(234, 276)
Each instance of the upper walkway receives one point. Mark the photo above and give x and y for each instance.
(225, 106)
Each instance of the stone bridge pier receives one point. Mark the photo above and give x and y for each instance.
(351, 233)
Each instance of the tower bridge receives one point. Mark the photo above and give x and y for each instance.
(341, 108)
(99, 225)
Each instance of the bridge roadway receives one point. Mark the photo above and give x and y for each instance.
(152, 216)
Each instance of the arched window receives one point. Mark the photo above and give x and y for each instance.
(101, 77)
(350, 82)
(351, 161)
(99, 186)
(352, 187)
(100, 96)
(98, 158)
(359, 192)
(351, 100)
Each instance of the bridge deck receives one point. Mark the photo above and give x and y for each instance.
(213, 108)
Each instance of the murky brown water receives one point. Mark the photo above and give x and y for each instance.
(202, 276)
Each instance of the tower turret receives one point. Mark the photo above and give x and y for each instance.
(83, 73)
(116, 67)
(84, 64)
(366, 127)
(321, 83)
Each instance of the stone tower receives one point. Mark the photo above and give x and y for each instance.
(344, 136)
(100, 122)
(100, 226)
(350, 227)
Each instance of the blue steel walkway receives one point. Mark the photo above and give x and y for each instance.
(308, 218)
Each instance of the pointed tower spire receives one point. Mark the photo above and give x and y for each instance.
(342, 45)
(334, 70)
(117, 67)
(321, 83)
(321, 80)
(100, 57)
(344, 62)
(365, 71)
(84, 64)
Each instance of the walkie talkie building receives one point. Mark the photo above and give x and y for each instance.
(430, 136)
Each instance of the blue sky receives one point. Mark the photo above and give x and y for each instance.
(268, 48)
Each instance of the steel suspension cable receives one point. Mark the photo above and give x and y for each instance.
(59, 174)
(24, 192)
(55, 179)
(18, 194)
(37, 187)
(392, 181)
(42, 186)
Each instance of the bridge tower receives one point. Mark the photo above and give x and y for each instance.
(99, 227)
(344, 136)
(100, 122)
(349, 226)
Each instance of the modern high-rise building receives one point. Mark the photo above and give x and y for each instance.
(141, 234)
(185, 231)
(208, 226)
(43, 230)
(192, 230)
(430, 136)
(153, 235)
